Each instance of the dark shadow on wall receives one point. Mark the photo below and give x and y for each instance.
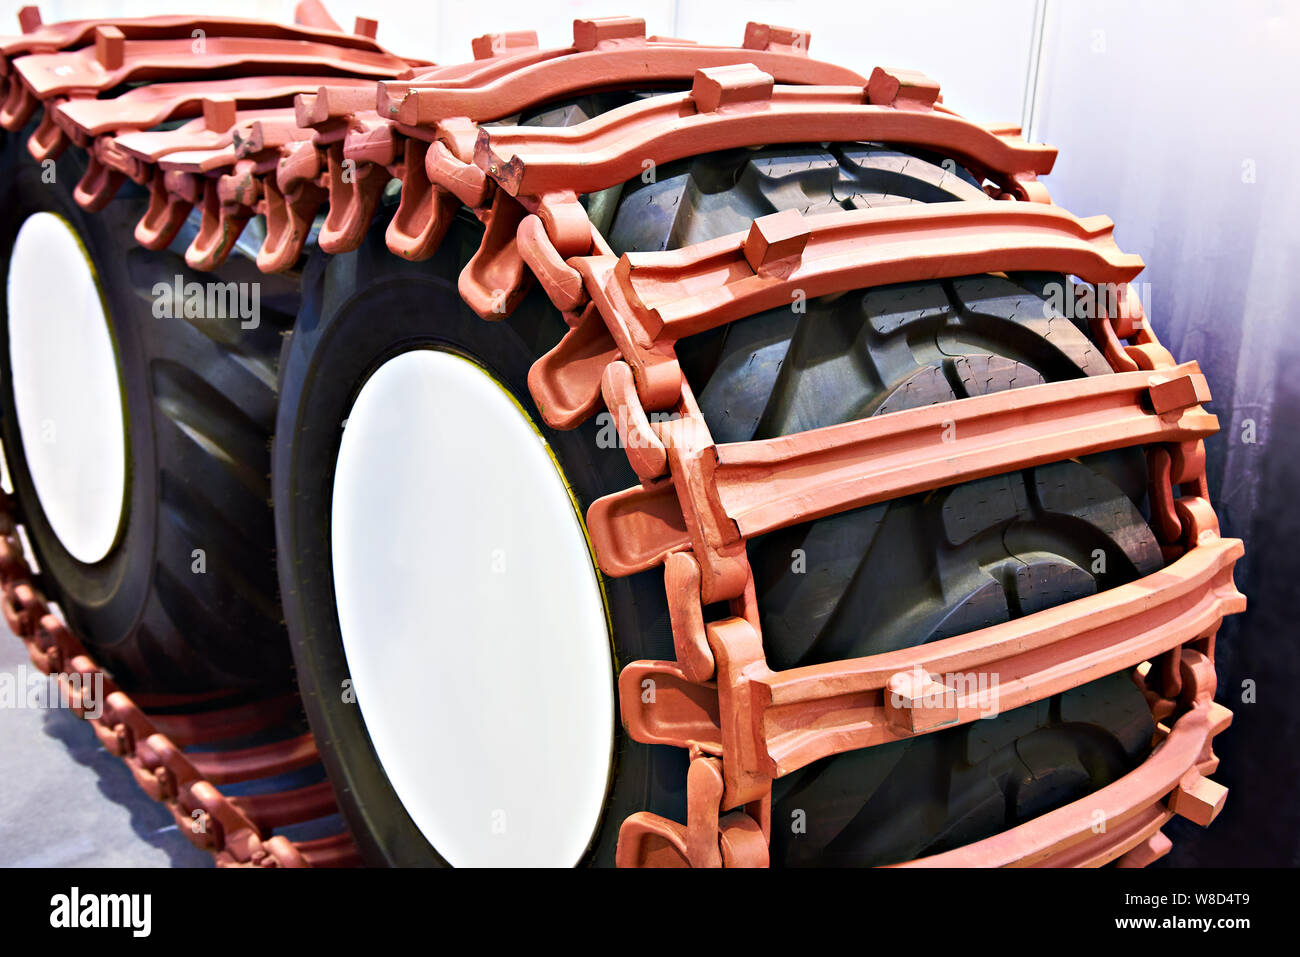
(1255, 487)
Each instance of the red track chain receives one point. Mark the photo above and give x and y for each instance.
(284, 145)
(236, 830)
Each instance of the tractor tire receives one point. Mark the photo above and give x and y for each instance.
(361, 311)
(880, 578)
(181, 599)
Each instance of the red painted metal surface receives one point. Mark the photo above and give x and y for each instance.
(77, 33)
(319, 122)
(787, 720)
(114, 61)
(736, 106)
(148, 106)
(1172, 781)
(509, 82)
(650, 300)
(751, 488)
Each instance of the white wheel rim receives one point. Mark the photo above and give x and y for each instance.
(67, 388)
(471, 615)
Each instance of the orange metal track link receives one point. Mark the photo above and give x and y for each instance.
(645, 302)
(1172, 781)
(736, 105)
(786, 720)
(361, 116)
(750, 488)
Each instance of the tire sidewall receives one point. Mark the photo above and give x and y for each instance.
(103, 600)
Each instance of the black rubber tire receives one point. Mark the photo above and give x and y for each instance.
(359, 310)
(199, 403)
(926, 567)
(1027, 539)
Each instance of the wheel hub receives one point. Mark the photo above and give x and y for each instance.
(471, 615)
(67, 387)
